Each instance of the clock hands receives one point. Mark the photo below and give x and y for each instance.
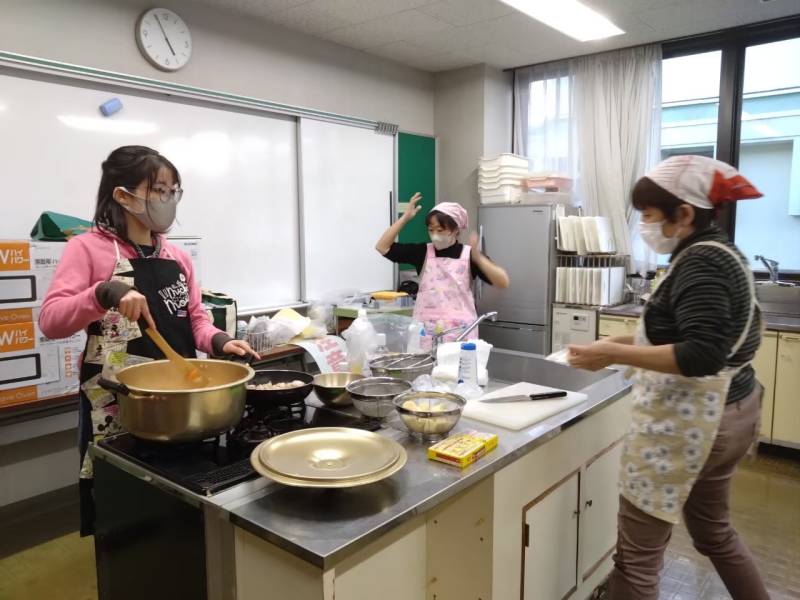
(165, 34)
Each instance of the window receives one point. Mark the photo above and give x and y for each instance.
(548, 125)
(769, 154)
(690, 104)
(735, 95)
(689, 107)
(542, 96)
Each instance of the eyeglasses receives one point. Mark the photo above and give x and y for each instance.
(171, 196)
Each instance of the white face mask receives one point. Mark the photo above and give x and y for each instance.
(653, 236)
(441, 241)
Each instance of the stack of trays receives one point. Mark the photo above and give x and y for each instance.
(500, 179)
(328, 457)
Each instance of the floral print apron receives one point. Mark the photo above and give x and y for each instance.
(674, 423)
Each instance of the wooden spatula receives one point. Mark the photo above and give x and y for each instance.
(192, 373)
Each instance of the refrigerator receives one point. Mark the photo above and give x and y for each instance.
(521, 239)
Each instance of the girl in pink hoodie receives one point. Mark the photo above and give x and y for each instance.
(120, 271)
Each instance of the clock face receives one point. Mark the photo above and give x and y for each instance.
(164, 39)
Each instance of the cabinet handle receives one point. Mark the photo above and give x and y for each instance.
(576, 513)
(588, 503)
(787, 338)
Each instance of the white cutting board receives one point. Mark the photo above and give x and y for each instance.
(519, 415)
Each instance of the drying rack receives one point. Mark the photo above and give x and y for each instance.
(592, 261)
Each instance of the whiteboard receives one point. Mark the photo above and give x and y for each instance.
(347, 178)
(239, 172)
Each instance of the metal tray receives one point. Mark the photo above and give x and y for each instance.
(328, 454)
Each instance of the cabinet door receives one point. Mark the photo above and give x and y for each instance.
(764, 365)
(551, 539)
(786, 420)
(600, 503)
(614, 326)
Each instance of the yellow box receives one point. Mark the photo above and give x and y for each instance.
(463, 449)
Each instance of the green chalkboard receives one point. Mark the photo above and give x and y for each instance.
(416, 172)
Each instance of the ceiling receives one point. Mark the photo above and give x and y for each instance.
(437, 35)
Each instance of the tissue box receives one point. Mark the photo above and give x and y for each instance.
(463, 449)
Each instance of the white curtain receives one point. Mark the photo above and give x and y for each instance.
(617, 124)
(596, 119)
(542, 125)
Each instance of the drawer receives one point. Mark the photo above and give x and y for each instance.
(614, 326)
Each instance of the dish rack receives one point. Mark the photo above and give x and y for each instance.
(590, 279)
(582, 234)
(598, 261)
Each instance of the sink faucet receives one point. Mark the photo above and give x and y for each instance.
(465, 331)
(772, 267)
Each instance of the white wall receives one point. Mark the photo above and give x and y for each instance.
(231, 53)
(471, 108)
(497, 98)
(458, 118)
(472, 117)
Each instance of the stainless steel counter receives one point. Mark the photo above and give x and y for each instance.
(324, 526)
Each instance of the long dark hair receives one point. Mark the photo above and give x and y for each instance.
(127, 166)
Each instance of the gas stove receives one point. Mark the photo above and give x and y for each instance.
(213, 465)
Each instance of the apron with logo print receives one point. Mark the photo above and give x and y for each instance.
(166, 288)
(674, 423)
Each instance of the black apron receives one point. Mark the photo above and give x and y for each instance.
(166, 288)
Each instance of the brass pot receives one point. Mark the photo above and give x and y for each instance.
(158, 404)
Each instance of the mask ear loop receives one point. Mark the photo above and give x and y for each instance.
(125, 191)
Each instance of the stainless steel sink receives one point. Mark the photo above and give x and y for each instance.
(512, 367)
(779, 301)
(773, 292)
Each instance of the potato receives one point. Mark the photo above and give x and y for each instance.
(411, 405)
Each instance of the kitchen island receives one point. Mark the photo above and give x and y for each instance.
(535, 518)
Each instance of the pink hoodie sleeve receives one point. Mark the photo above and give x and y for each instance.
(202, 327)
(71, 301)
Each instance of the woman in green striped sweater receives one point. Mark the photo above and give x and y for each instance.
(696, 402)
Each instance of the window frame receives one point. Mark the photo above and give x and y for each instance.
(733, 44)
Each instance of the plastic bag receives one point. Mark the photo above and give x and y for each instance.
(396, 329)
(263, 333)
(361, 339)
(468, 391)
(322, 318)
(426, 383)
(559, 356)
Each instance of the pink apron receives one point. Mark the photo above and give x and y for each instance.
(445, 296)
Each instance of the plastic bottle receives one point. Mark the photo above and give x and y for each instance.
(468, 364)
(380, 347)
(416, 331)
